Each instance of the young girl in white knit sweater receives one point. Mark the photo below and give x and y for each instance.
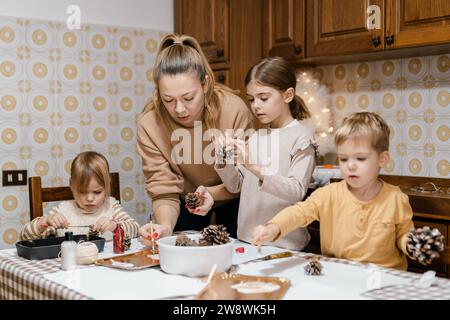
(274, 168)
(90, 185)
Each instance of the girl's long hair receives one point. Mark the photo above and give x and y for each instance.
(279, 74)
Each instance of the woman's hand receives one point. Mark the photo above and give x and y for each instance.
(104, 224)
(206, 199)
(263, 233)
(159, 231)
(56, 220)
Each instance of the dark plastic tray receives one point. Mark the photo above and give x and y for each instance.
(49, 248)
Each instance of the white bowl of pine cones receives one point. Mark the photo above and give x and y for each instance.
(194, 255)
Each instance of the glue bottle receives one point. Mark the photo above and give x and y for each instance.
(68, 252)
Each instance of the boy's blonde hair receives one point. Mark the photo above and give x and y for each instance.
(87, 165)
(364, 125)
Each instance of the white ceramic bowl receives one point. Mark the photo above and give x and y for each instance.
(193, 261)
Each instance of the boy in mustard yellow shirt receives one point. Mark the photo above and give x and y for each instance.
(361, 218)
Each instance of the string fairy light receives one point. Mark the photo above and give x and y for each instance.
(317, 98)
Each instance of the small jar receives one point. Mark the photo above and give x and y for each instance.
(119, 239)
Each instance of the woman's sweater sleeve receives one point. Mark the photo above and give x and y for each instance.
(129, 225)
(162, 183)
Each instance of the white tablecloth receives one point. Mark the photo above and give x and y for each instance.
(341, 279)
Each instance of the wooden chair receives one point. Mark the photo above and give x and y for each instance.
(38, 194)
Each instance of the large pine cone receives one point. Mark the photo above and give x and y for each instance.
(424, 244)
(183, 240)
(192, 200)
(314, 267)
(215, 234)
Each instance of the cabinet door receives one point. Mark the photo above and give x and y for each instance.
(222, 76)
(284, 29)
(417, 22)
(207, 21)
(340, 27)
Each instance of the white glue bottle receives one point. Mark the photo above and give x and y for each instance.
(68, 252)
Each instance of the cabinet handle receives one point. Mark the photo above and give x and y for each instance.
(220, 53)
(389, 40)
(298, 50)
(221, 78)
(376, 41)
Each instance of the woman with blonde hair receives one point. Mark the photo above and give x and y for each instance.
(172, 137)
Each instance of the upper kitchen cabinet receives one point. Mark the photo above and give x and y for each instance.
(229, 32)
(208, 22)
(340, 27)
(284, 29)
(413, 23)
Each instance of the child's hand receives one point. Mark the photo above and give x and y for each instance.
(159, 231)
(56, 220)
(104, 224)
(207, 202)
(264, 233)
(242, 156)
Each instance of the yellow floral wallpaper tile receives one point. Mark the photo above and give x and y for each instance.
(413, 95)
(65, 91)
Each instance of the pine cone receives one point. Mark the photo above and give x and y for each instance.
(127, 243)
(221, 152)
(203, 243)
(424, 244)
(192, 200)
(92, 233)
(314, 267)
(215, 234)
(183, 240)
(224, 155)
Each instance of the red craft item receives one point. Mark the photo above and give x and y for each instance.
(119, 239)
(240, 250)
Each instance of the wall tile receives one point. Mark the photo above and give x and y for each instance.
(413, 95)
(66, 91)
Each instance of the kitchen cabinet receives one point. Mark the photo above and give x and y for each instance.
(339, 27)
(222, 76)
(229, 32)
(208, 22)
(412, 23)
(284, 29)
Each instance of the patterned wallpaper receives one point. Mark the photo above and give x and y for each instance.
(65, 91)
(412, 95)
